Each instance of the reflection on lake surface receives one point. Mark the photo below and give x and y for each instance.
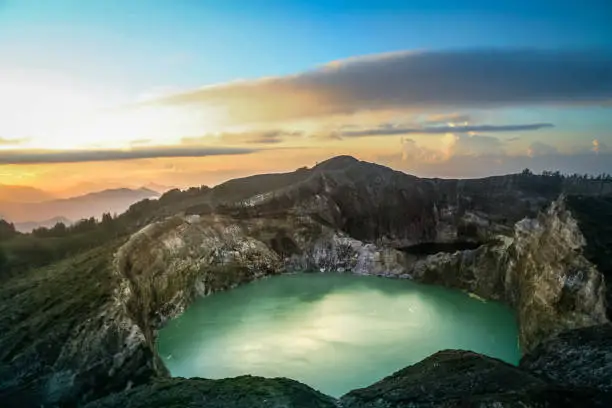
(334, 332)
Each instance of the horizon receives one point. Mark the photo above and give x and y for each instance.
(110, 95)
(159, 190)
(63, 211)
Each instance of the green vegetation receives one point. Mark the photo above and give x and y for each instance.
(573, 176)
(43, 246)
(40, 308)
(20, 252)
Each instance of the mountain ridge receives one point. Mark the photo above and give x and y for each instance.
(21, 194)
(92, 204)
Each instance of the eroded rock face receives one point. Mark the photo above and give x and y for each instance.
(541, 271)
(549, 281)
(168, 264)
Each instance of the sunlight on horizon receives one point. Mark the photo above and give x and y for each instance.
(43, 111)
(451, 98)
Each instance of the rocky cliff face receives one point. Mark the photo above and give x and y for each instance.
(342, 215)
(541, 270)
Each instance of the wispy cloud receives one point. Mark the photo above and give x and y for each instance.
(450, 146)
(598, 146)
(445, 118)
(27, 156)
(141, 142)
(479, 156)
(272, 136)
(414, 80)
(389, 130)
(541, 149)
(11, 142)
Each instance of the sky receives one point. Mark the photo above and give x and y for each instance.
(108, 93)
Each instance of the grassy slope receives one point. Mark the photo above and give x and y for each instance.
(39, 309)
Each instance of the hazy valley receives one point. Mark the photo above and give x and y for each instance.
(30, 208)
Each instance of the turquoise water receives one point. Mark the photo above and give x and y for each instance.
(334, 332)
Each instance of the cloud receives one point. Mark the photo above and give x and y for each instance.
(141, 142)
(412, 152)
(79, 156)
(452, 145)
(419, 80)
(414, 159)
(11, 142)
(385, 130)
(541, 149)
(487, 165)
(444, 118)
(599, 146)
(477, 145)
(253, 137)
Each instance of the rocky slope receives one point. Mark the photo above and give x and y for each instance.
(239, 392)
(455, 378)
(86, 327)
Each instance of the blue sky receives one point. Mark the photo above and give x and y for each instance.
(62, 59)
(188, 42)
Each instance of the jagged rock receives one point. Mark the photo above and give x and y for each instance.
(455, 378)
(541, 270)
(594, 217)
(575, 358)
(240, 392)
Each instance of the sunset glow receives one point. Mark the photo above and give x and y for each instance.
(74, 83)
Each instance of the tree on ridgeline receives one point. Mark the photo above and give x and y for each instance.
(7, 230)
(3, 260)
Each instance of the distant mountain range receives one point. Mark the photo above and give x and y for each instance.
(93, 186)
(23, 194)
(28, 226)
(30, 214)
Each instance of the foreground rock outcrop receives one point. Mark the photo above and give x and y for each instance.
(455, 378)
(85, 328)
(239, 392)
(576, 358)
